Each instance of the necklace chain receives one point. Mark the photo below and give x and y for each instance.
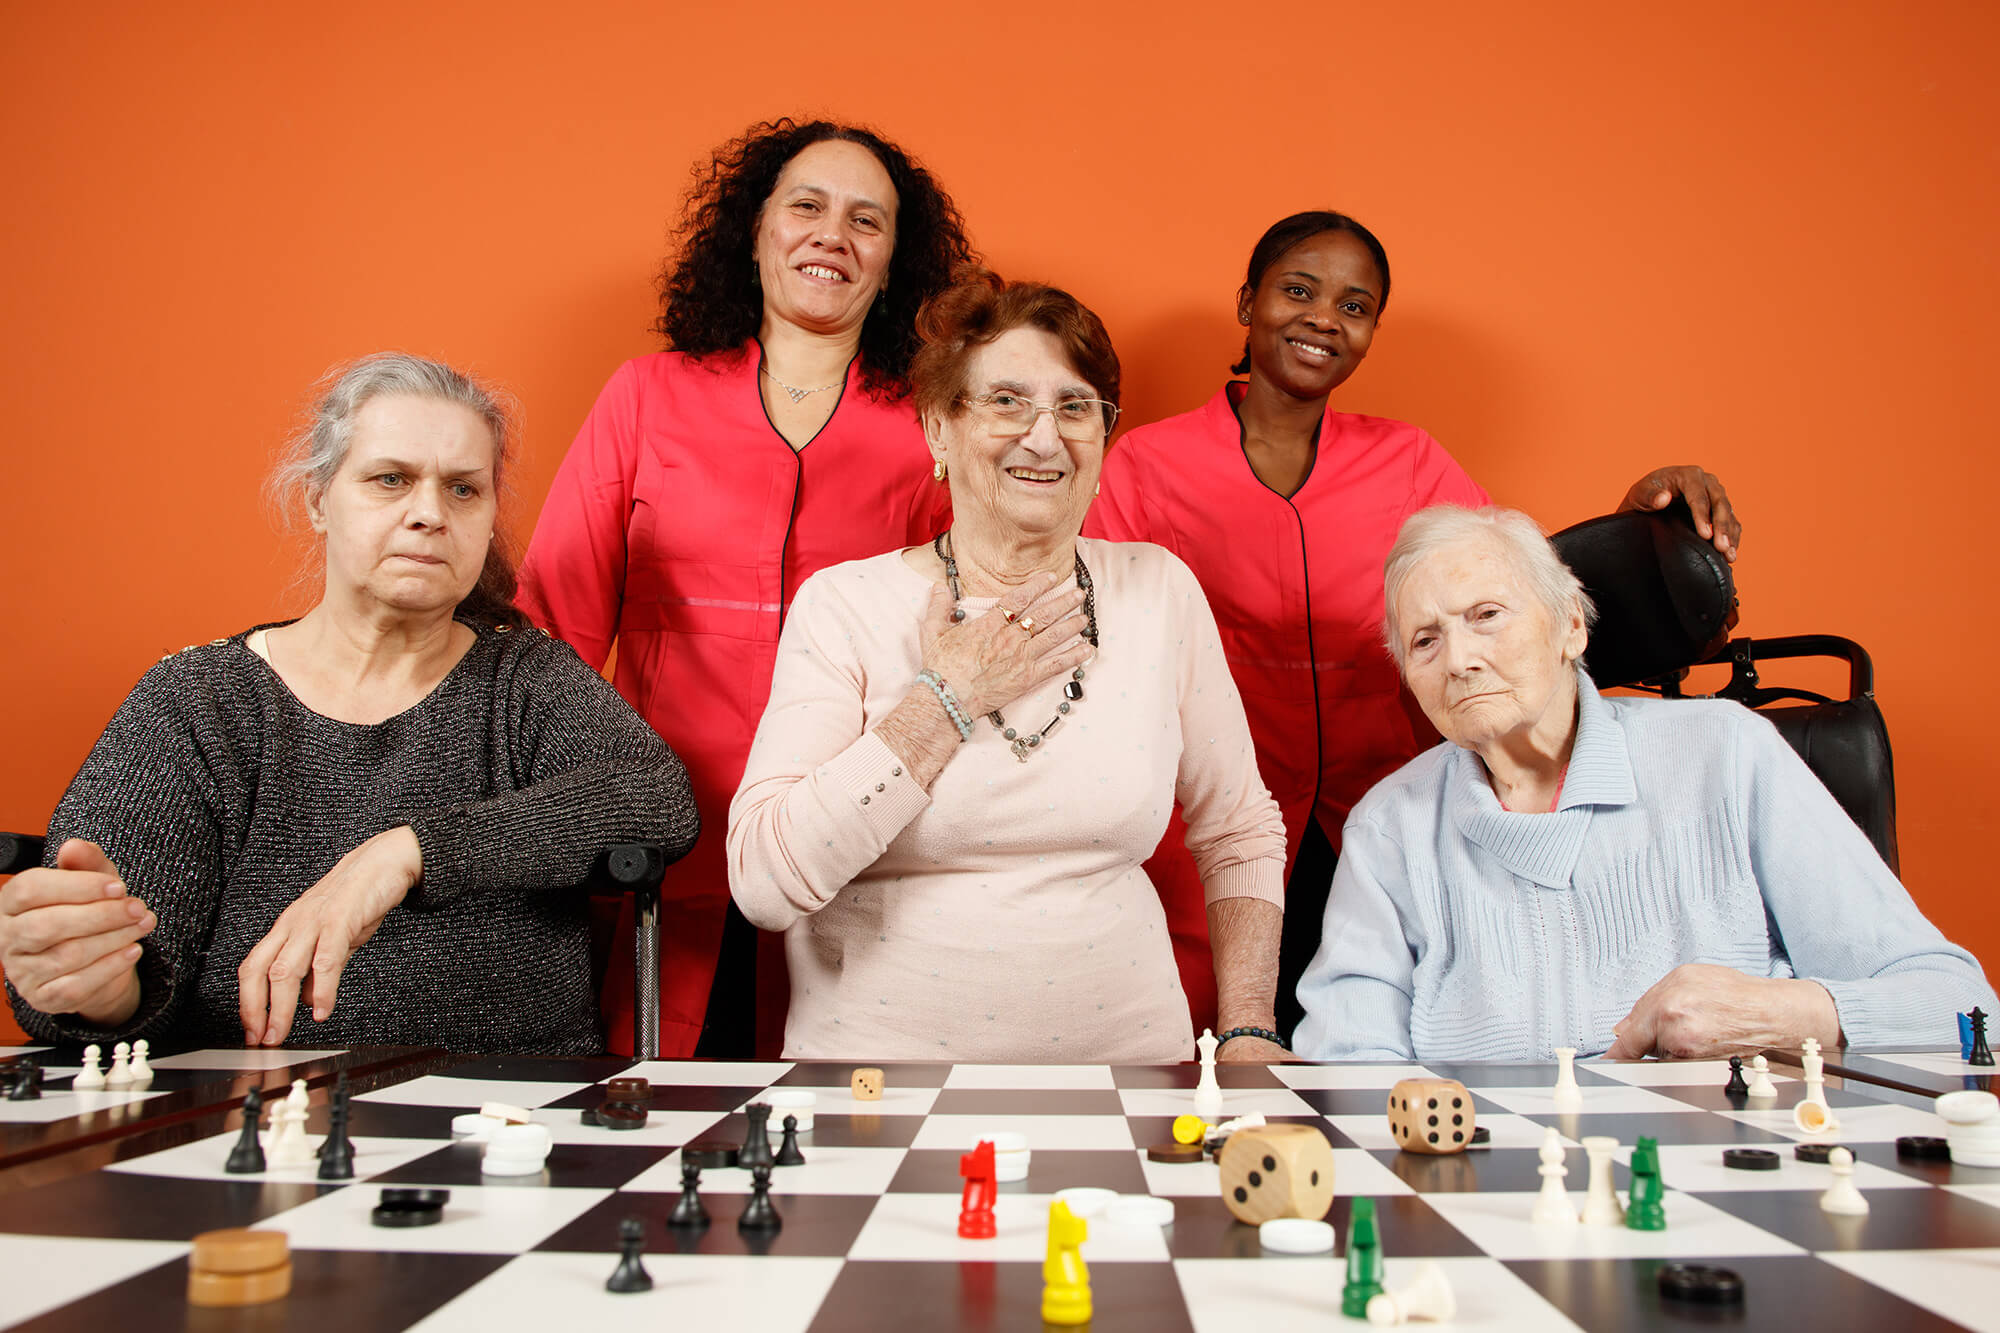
(800, 395)
(1072, 688)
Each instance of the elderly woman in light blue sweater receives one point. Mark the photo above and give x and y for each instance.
(1636, 877)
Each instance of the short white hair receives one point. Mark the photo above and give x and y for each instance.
(1519, 537)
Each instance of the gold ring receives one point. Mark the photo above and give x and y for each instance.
(1027, 623)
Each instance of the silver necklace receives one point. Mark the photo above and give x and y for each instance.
(800, 395)
(1072, 688)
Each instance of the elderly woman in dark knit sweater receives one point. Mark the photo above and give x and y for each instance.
(375, 812)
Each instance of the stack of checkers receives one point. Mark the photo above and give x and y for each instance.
(410, 1207)
(239, 1267)
(624, 1105)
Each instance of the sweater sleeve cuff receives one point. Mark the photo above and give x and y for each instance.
(1263, 879)
(1903, 1013)
(446, 838)
(878, 784)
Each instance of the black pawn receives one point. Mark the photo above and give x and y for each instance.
(631, 1274)
(757, 1144)
(1736, 1086)
(788, 1147)
(758, 1214)
(27, 1081)
(336, 1155)
(1982, 1054)
(689, 1212)
(247, 1157)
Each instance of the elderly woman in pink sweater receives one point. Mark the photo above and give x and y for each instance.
(972, 746)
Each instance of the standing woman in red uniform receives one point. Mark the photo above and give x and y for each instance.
(1285, 511)
(773, 439)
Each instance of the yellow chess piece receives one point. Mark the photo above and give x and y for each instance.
(1189, 1129)
(1065, 1280)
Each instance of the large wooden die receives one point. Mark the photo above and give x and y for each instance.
(1430, 1115)
(1281, 1170)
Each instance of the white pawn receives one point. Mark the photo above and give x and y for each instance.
(1429, 1297)
(288, 1143)
(1842, 1197)
(1566, 1096)
(120, 1073)
(91, 1076)
(141, 1072)
(1552, 1204)
(1600, 1201)
(1760, 1078)
(1207, 1093)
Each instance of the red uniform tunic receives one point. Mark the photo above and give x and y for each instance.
(679, 526)
(1296, 586)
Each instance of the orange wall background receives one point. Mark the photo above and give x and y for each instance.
(1757, 237)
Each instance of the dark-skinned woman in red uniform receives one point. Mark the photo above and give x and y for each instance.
(773, 439)
(1285, 510)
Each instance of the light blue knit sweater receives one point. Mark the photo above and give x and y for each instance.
(1688, 832)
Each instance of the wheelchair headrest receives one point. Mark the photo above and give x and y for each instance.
(1665, 597)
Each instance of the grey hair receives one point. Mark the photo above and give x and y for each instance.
(314, 453)
(1558, 589)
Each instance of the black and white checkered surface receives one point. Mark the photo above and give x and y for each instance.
(870, 1241)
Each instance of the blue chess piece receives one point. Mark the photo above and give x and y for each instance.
(1965, 1036)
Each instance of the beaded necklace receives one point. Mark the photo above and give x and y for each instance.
(1072, 688)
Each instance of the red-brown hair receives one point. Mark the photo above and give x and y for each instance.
(977, 308)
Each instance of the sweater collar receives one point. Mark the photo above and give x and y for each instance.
(1544, 848)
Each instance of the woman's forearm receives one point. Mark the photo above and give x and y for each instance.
(1244, 933)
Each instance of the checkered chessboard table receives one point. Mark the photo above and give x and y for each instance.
(869, 1239)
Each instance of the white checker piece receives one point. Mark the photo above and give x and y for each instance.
(1697, 1168)
(1354, 1172)
(1301, 1294)
(1323, 1078)
(94, 1110)
(827, 1170)
(480, 1219)
(842, 1101)
(250, 1057)
(469, 1094)
(1877, 1123)
(906, 1226)
(1957, 1284)
(1172, 1102)
(66, 1268)
(1505, 1131)
(1672, 1073)
(204, 1159)
(960, 1132)
(1498, 1224)
(1597, 1100)
(708, 1074)
(1009, 1077)
(771, 1294)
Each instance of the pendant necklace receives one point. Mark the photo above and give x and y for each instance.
(799, 395)
(1072, 688)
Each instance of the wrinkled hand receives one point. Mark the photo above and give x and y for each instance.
(69, 936)
(988, 662)
(1699, 1011)
(313, 938)
(1714, 517)
(1252, 1051)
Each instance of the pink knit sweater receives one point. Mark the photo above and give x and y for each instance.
(1003, 915)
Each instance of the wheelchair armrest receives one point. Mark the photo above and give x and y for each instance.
(20, 851)
(636, 868)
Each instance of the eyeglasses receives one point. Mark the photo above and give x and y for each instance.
(1077, 419)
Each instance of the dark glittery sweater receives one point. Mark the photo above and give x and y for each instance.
(220, 798)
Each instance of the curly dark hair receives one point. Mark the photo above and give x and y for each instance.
(709, 301)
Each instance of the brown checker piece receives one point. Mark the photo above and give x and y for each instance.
(1780, 1291)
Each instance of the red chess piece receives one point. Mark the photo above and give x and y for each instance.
(975, 1211)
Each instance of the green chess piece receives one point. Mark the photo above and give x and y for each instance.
(1646, 1209)
(1364, 1261)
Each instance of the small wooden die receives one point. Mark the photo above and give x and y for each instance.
(1281, 1170)
(867, 1085)
(1430, 1115)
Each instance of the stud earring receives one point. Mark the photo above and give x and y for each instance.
(938, 470)
(1244, 320)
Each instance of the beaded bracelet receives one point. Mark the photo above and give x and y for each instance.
(950, 702)
(1265, 1033)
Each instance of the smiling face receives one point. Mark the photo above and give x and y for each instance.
(1484, 658)
(1312, 315)
(825, 238)
(1036, 484)
(409, 514)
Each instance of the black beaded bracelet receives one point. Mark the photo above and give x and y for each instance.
(1265, 1033)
